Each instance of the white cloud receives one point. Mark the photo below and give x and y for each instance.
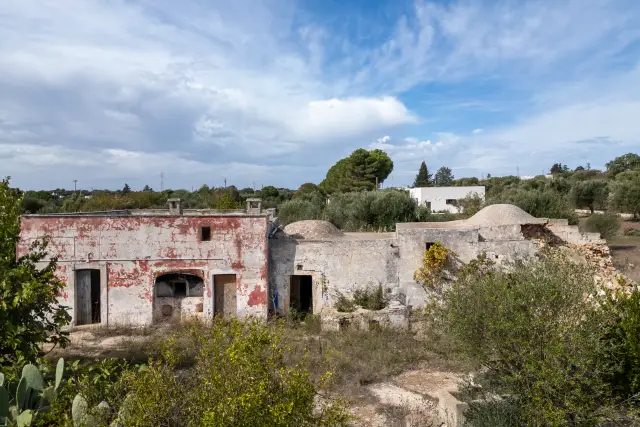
(212, 86)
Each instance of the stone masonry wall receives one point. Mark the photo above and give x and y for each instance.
(340, 265)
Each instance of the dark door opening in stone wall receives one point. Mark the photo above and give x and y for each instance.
(87, 296)
(225, 295)
(301, 294)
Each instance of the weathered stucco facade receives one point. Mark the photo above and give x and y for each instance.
(339, 263)
(143, 267)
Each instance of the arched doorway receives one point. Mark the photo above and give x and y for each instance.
(177, 295)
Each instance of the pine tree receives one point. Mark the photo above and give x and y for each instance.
(423, 179)
(126, 189)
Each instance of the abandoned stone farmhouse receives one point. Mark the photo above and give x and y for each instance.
(143, 267)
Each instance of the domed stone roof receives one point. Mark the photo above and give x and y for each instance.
(312, 229)
(502, 214)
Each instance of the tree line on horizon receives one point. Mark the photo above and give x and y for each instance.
(351, 179)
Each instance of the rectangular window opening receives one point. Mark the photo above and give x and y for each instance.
(205, 234)
(428, 245)
(452, 202)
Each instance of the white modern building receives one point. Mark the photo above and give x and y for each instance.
(440, 199)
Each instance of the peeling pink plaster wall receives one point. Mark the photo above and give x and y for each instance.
(137, 249)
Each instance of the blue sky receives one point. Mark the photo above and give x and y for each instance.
(276, 91)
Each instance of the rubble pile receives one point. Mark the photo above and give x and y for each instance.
(599, 256)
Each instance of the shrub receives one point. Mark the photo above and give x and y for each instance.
(546, 203)
(607, 224)
(471, 204)
(535, 334)
(344, 304)
(239, 378)
(370, 298)
(30, 314)
(436, 262)
(371, 211)
(622, 336)
(298, 210)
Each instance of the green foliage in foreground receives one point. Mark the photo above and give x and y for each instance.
(30, 314)
(562, 360)
(227, 373)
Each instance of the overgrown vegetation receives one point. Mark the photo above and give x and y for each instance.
(369, 298)
(30, 314)
(607, 224)
(558, 357)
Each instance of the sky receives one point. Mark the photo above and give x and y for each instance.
(274, 92)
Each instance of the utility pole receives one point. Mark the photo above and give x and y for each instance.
(75, 187)
(254, 186)
(225, 183)
(518, 171)
(161, 181)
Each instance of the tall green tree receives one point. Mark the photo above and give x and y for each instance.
(627, 162)
(626, 193)
(360, 171)
(590, 194)
(30, 313)
(126, 189)
(559, 168)
(444, 177)
(423, 178)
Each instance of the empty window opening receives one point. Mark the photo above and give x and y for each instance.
(225, 295)
(428, 245)
(301, 294)
(299, 267)
(88, 296)
(452, 202)
(173, 205)
(179, 285)
(205, 234)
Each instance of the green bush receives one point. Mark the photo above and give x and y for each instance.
(622, 336)
(344, 304)
(536, 336)
(546, 203)
(471, 204)
(298, 210)
(493, 413)
(371, 211)
(370, 298)
(30, 314)
(239, 378)
(607, 224)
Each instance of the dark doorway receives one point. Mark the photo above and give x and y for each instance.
(87, 296)
(301, 294)
(225, 295)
